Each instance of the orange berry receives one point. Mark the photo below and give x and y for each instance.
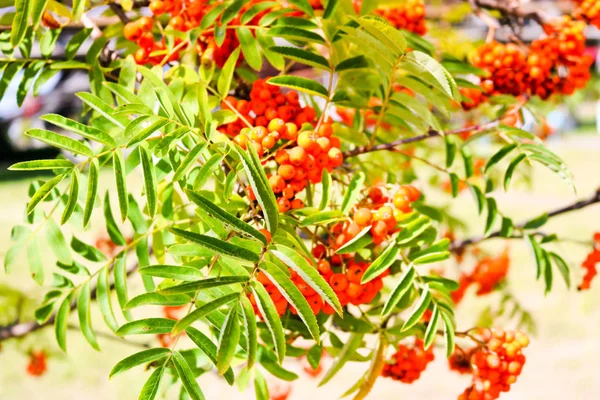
(315, 302)
(282, 157)
(324, 267)
(307, 140)
(338, 282)
(297, 156)
(319, 251)
(355, 274)
(283, 204)
(375, 194)
(336, 158)
(362, 216)
(277, 183)
(132, 31)
(146, 23)
(379, 229)
(354, 290)
(157, 7)
(276, 125)
(286, 171)
(289, 131)
(297, 203)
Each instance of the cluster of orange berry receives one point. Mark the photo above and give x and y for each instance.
(407, 364)
(589, 264)
(497, 365)
(488, 272)
(409, 15)
(379, 211)
(345, 280)
(555, 63)
(37, 363)
(285, 130)
(589, 11)
(185, 15)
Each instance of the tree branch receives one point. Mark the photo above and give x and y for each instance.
(119, 12)
(510, 10)
(595, 198)
(432, 133)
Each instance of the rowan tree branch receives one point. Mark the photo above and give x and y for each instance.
(595, 198)
(510, 10)
(432, 133)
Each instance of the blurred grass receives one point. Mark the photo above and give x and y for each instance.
(561, 359)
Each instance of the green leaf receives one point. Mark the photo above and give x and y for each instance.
(352, 63)
(381, 263)
(360, 241)
(492, 214)
(302, 56)
(111, 226)
(102, 108)
(249, 320)
(75, 43)
(256, 9)
(157, 299)
(226, 76)
(229, 338)
(207, 169)
(151, 388)
(61, 142)
(20, 21)
(143, 134)
(427, 63)
(192, 287)
(431, 331)
(29, 74)
(188, 380)
(85, 319)
(269, 312)
(188, 161)
(303, 5)
(92, 191)
(103, 292)
(309, 274)
(326, 189)
(506, 228)
(548, 276)
(183, 272)
(293, 296)
(353, 192)
(261, 390)
(217, 245)
(419, 309)
(86, 251)
(120, 173)
(43, 192)
(73, 197)
(537, 222)
(150, 184)
(142, 357)
(36, 264)
(250, 48)
(538, 253)
(148, 326)
(499, 155)
(57, 243)
(349, 349)
(562, 266)
(202, 311)
(404, 284)
(479, 197)
(41, 165)
(330, 8)
(323, 218)
(301, 84)
(208, 348)
(120, 276)
(511, 169)
(448, 334)
(218, 213)
(392, 38)
(260, 186)
(61, 322)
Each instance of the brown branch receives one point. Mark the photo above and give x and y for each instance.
(432, 133)
(595, 198)
(510, 10)
(22, 329)
(119, 12)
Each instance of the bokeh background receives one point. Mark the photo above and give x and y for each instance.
(562, 361)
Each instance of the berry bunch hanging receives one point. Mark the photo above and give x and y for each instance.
(590, 264)
(283, 130)
(37, 363)
(496, 365)
(407, 364)
(486, 275)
